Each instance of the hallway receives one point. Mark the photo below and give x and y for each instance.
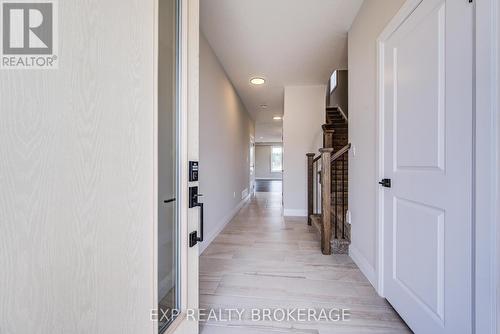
(261, 260)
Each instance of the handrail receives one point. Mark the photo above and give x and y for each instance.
(317, 158)
(341, 152)
(342, 114)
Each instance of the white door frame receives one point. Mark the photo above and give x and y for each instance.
(188, 150)
(486, 160)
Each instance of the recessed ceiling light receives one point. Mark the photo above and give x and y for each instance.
(263, 106)
(277, 118)
(257, 81)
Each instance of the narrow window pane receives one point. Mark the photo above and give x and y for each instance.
(168, 245)
(276, 159)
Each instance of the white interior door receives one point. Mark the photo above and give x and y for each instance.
(427, 92)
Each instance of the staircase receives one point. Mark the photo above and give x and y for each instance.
(337, 121)
(328, 184)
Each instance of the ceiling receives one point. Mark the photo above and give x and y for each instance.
(287, 42)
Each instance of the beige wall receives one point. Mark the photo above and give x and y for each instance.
(304, 115)
(369, 23)
(263, 162)
(225, 130)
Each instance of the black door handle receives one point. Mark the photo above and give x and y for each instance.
(193, 202)
(385, 183)
(193, 236)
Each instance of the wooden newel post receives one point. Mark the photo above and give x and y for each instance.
(328, 135)
(326, 200)
(310, 186)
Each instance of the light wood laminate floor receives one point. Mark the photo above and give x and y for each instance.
(262, 260)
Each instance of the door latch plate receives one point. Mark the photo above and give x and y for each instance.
(193, 238)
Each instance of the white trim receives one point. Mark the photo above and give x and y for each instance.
(183, 158)
(156, 196)
(209, 238)
(363, 264)
(379, 153)
(294, 213)
(486, 165)
(188, 150)
(495, 105)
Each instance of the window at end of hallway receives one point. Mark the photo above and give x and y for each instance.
(333, 81)
(276, 159)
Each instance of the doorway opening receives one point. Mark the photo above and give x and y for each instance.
(269, 167)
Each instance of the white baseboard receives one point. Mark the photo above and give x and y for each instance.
(294, 213)
(209, 238)
(366, 268)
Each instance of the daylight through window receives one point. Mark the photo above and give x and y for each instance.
(276, 159)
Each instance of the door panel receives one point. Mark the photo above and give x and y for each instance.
(419, 227)
(428, 155)
(419, 79)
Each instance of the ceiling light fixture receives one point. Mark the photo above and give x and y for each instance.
(263, 106)
(277, 118)
(257, 81)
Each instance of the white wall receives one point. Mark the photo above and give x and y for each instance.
(225, 130)
(77, 203)
(368, 24)
(302, 133)
(263, 162)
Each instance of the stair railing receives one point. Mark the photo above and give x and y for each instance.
(330, 199)
(323, 161)
(339, 165)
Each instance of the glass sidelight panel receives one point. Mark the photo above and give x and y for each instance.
(168, 231)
